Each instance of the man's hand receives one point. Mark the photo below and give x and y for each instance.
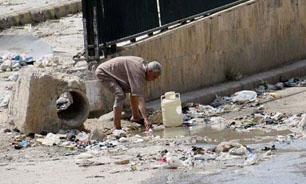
(142, 108)
(148, 124)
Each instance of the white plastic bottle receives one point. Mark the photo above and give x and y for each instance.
(172, 109)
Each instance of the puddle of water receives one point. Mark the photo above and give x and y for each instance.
(218, 136)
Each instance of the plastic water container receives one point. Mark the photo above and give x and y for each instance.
(172, 109)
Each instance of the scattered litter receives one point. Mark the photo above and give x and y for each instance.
(50, 140)
(191, 122)
(269, 148)
(244, 96)
(86, 155)
(280, 86)
(15, 61)
(119, 133)
(226, 146)
(163, 160)
(16, 146)
(88, 146)
(150, 131)
(133, 167)
(122, 162)
(6, 130)
(274, 95)
(24, 143)
(173, 162)
(251, 159)
(83, 137)
(138, 141)
(238, 151)
(123, 139)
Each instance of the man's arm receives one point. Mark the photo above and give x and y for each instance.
(143, 111)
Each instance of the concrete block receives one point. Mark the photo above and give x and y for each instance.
(38, 16)
(51, 13)
(4, 23)
(25, 18)
(16, 20)
(79, 5)
(73, 8)
(60, 11)
(10, 21)
(34, 106)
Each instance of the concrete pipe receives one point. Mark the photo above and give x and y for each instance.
(75, 115)
(38, 105)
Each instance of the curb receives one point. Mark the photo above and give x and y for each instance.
(207, 95)
(40, 14)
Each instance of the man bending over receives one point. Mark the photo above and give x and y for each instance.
(128, 74)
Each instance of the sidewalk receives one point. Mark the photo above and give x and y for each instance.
(20, 12)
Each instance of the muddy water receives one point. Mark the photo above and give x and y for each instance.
(287, 166)
(217, 136)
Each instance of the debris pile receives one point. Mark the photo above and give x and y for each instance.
(195, 114)
(136, 152)
(13, 62)
(177, 153)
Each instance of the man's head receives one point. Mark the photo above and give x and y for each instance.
(153, 70)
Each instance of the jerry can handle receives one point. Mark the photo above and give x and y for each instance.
(177, 95)
(162, 97)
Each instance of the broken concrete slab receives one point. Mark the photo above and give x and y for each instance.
(33, 108)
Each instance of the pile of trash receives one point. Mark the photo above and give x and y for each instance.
(76, 140)
(14, 62)
(279, 121)
(195, 114)
(175, 154)
(197, 156)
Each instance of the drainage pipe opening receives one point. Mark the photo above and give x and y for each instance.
(72, 108)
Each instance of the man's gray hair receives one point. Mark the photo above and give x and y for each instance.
(155, 66)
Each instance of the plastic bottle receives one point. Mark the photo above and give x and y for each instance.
(171, 109)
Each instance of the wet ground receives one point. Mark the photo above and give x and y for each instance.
(287, 166)
(216, 136)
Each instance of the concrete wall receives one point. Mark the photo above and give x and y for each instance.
(249, 38)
